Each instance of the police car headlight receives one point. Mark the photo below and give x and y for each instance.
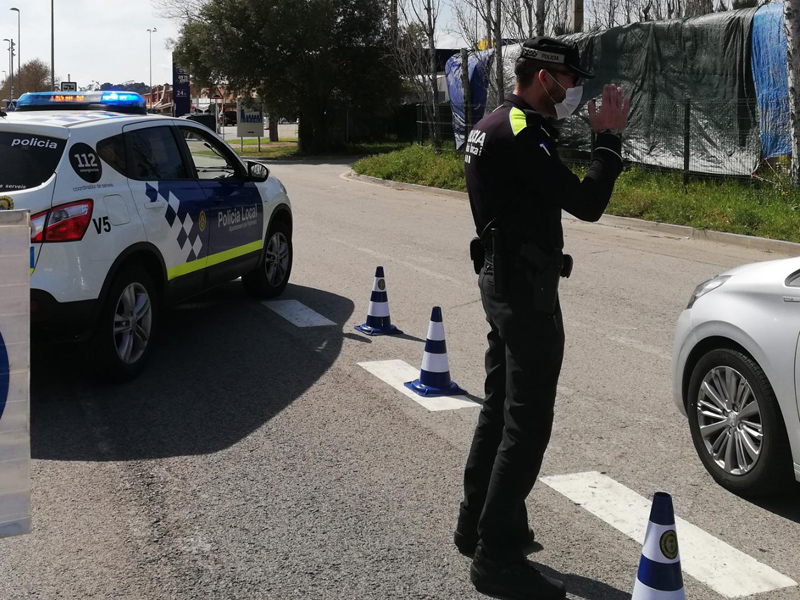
(707, 286)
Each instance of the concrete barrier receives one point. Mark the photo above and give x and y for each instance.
(15, 446)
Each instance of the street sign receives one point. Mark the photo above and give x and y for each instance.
(69, 86)
(181, 86)
(250, 121)
(11, 105)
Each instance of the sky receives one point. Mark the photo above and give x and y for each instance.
(95, 40)
(107, 40)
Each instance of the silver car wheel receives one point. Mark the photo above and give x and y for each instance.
(276, 261)
(729, 419)
(133, 322)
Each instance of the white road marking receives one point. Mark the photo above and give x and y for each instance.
(641, 347)
(297, 313)
(397, 372)
(393, 258)
(711, 561)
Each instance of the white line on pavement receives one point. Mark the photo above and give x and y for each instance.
(398, 372)
(709, 560)
(297, 313)
(394, 259)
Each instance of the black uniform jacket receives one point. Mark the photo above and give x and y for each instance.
(514, 173)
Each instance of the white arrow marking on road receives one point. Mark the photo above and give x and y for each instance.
(297, 313)
(398, 372)
(711, 561)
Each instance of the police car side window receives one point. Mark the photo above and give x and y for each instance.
(212, 161)
(112, 150)
(155, 155)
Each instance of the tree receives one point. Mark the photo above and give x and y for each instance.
(792, 25)
(35, 77)
(185, 10)
(415, 57)
(313, 58)
(128, 86)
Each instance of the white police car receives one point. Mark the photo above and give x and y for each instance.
(132, 212)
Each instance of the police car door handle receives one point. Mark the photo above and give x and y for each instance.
(158, 204)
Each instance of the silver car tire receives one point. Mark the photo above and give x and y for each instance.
(127, 326)
(271, 276)
(736, 424)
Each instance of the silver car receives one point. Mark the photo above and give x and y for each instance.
(735, 375)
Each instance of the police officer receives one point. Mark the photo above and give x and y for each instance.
(517, 190)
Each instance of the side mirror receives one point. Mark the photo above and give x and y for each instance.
(257, 171)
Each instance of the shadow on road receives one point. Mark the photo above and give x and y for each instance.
(224, 365)
(583, 587)
(786, 504)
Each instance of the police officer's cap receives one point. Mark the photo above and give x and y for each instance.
(548, 50)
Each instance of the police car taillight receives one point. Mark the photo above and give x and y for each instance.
(37, 227)
(65, 223)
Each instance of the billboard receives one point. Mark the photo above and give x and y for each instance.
(181, 94)
(249, 121)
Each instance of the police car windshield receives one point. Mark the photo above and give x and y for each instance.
(27, 161)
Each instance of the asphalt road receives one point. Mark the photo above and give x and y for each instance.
(256, 459)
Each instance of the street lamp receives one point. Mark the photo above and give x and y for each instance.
(11, 62)
(151, 32)
(53, 44)
(19, 49)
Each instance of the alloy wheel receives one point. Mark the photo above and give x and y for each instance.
(276, 261)
(729, 419)
(133, 322)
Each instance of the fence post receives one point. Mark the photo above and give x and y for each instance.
(466, 92)
(687, 125)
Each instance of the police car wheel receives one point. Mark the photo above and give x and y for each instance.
(736, 424)
(123, 339)
(272, 275)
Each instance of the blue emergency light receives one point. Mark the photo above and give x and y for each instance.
(124, 102)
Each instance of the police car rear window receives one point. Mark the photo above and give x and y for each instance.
(112, 150)
(27, 161)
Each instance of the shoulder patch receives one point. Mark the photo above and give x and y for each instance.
(518, 120)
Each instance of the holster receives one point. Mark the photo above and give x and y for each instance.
(548, 269)
(477, 254)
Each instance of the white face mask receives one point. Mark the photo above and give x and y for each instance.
(570, 103)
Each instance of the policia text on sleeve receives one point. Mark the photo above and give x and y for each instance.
(517, 188)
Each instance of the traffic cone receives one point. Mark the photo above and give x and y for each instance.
(660, 576)
(378, 320)
(434, 377)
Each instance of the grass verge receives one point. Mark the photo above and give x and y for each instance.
(417, 164)
(283, 150)
(759, 208)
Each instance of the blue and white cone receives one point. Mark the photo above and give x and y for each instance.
(660, 576)
(378, 320)
(434, 378)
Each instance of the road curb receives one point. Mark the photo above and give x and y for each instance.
(733, 239)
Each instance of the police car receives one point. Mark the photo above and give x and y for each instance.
(131, 213)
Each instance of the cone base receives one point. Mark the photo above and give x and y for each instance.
(366, 329)
(428, 391)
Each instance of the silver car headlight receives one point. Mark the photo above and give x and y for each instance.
(707, 286)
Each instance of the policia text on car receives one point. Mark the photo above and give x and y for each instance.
(517, 189)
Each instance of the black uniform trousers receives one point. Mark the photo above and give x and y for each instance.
(523, 363)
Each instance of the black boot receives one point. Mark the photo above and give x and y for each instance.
(518, 580)
(466, 539)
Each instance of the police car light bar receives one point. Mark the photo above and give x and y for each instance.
(124, 102)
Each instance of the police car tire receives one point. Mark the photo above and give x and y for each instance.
(109, 365)
(773, 470)
(256, 282)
